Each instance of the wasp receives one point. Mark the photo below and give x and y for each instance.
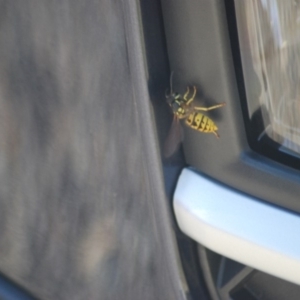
(183, 107)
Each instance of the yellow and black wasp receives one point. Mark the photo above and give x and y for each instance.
(183, 107)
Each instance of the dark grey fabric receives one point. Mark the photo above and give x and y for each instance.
(82, 212)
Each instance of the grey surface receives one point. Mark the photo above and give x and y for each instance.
(197, 32)
(78, 201)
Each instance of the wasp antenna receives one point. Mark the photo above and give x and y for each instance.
(171, 82)
(166, 93)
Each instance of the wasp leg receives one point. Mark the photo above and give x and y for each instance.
(209, 108)
(193, 97)
(216, 134)
(186, 94)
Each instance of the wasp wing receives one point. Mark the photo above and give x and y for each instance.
(174, 138)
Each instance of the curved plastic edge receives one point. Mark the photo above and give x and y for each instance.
(238, 226)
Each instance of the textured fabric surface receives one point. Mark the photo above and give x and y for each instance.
(76, 214)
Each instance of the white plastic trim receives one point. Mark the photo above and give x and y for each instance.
(238, 226)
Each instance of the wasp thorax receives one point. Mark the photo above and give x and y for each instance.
(178, 108)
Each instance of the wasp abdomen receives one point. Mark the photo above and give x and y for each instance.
(200, 122)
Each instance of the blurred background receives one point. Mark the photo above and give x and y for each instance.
(78, 218)
(269, 39)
